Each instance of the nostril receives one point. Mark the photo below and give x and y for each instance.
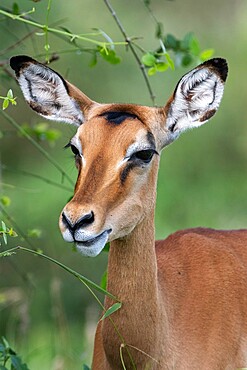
(66, 221)
(85, 220)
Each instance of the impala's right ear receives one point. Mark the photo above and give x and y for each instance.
(48, 93)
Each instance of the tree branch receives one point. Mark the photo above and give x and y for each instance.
(131, 46)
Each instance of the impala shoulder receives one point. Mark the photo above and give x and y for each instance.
(181, 237)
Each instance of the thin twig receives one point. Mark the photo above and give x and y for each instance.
(16, 226)
(18, 42)
(129, 43)
(42, 178)
(37, 146)
(57, 31)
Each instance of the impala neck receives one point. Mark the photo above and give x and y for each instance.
(132, 277)
(133, 256)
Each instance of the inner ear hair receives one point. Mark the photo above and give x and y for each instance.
(46, 91)
(196, 98)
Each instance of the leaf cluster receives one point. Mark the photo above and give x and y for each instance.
(186, 52)
(9, 98)
(9, 360)
(6, 231)
(41, 131)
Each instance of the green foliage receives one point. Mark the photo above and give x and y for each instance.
(34, 233)
(186, 52)
(9, 98)
(41, 131)
(156, 63)
(103, 282)
(115, 307)
(5, 200)
(85, 367)
(9, 360)
(6, 231)
(88, 283)
(109, 55)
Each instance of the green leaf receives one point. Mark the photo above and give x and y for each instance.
(12, 233)
(162, 67)
(109, 55)
(47, 47)
(186, 60)
(85, 367)
(106, 247)
(103, 282)
(66, 30)
(34, 233)
(152, 71)
(41, 127)
(5, 343)
(195, 46)
(206, 54)
(16, 362)
(186, 42)
(5, 201)
(15, 9)
(148, 60)
(53, 135)
(4, 232)
(6, 254)
(170, 61)
(10, 94)
(93, 60)
(5, 103)
(159, 30)
(171, 42)
(4, 227)
(115, 307)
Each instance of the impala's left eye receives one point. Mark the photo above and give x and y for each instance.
(144, 156)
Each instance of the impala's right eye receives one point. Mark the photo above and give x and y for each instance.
(74, 150)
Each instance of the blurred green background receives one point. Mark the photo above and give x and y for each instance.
(46, 314)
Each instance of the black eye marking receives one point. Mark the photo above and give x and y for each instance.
(143, 156)
(73, 148)
(118, 117)
(126, 171)
(137, 159)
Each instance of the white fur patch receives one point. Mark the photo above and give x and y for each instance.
(44, 90)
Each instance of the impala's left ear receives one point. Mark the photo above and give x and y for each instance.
(196, 98)
(48, 93)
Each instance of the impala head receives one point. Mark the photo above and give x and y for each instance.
(116, 146)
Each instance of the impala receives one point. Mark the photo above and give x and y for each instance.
(184, 299)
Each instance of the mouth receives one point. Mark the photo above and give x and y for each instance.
(93, 247)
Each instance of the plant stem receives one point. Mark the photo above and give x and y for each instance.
(37, 146)
(68, 269)
(130, 44)
(88, 283)
(15, 226)
(45, 28)
(42, 178)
